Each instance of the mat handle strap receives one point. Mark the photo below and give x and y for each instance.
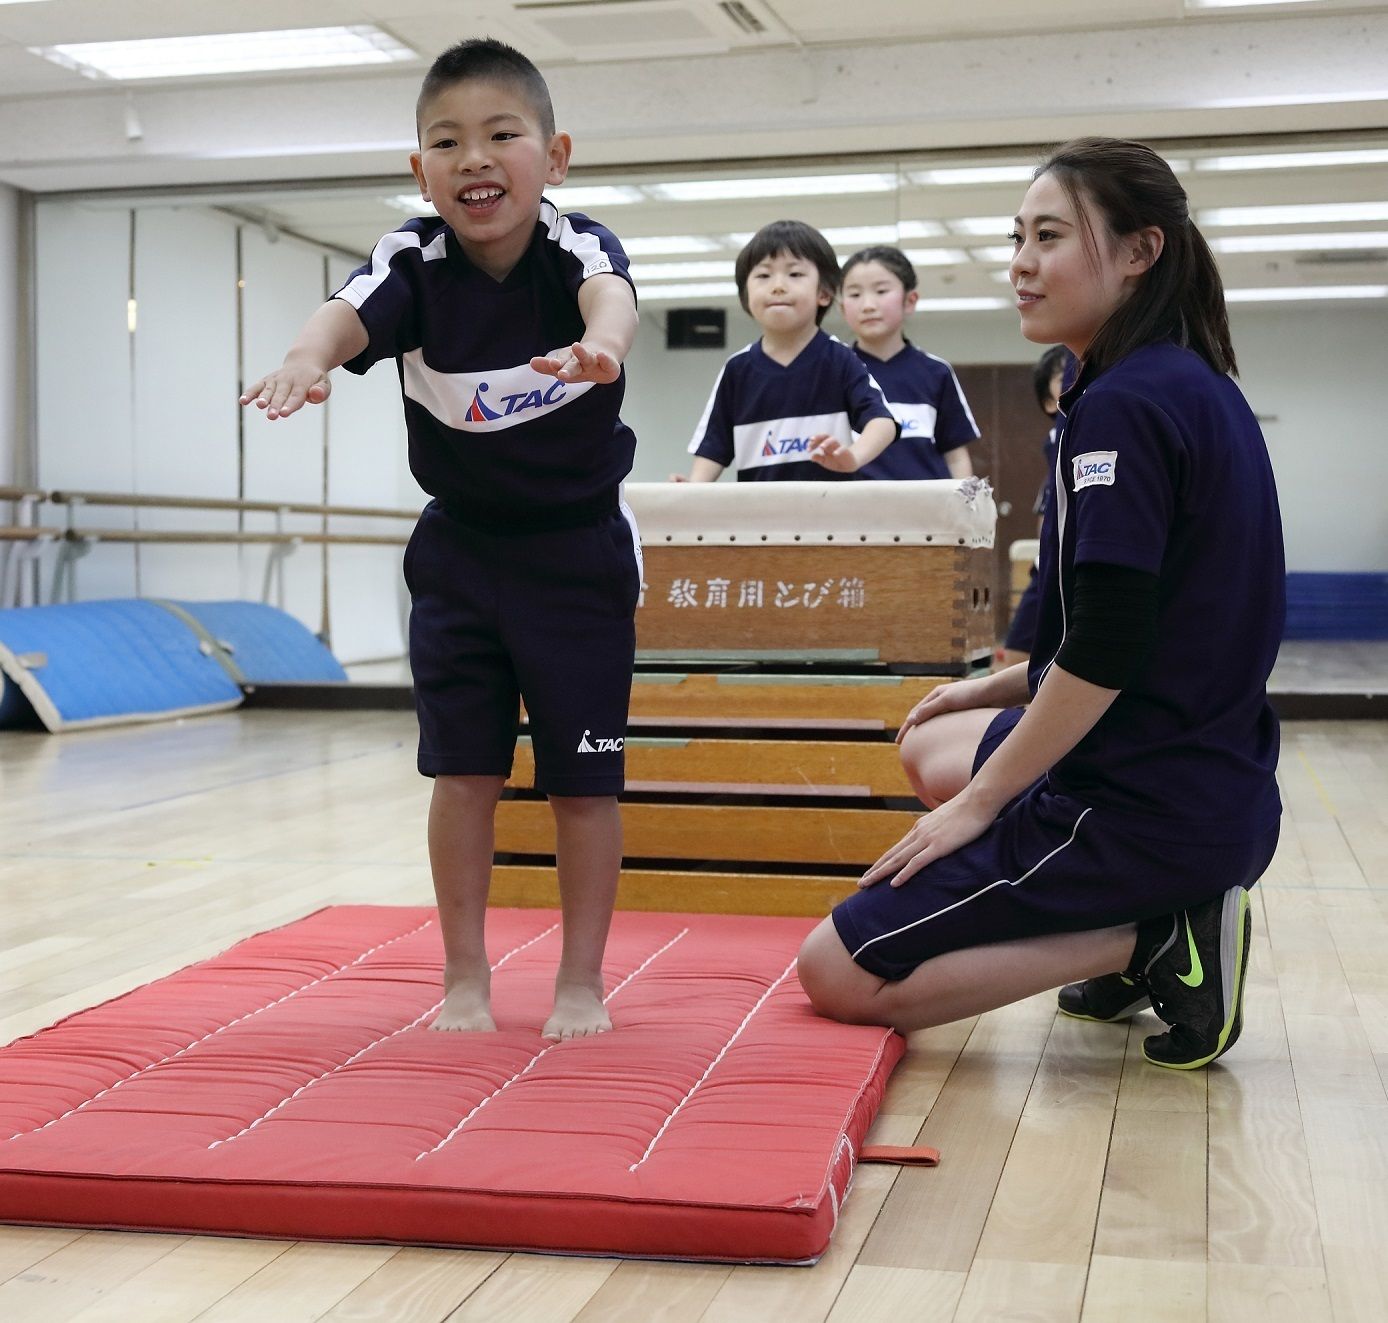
(901, 1155)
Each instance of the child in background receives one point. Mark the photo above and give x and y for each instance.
(1047, 379)
(524, 569)
(879, 293)
(786, 407)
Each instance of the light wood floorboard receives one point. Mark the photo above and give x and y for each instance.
(1078, 1182)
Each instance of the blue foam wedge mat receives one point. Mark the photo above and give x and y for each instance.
(97, 663)
(260, 644)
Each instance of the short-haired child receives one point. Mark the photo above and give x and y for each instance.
(786, 406)
(509, 324)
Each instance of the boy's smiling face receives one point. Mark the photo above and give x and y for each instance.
(484, 161)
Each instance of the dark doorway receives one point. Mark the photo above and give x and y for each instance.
(1009, 456)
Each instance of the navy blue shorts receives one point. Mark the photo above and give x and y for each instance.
(1049, 864)
(545, 617)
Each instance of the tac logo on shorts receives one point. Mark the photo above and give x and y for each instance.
(600, 745)
(1096, 469)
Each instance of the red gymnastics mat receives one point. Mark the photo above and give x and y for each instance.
(289, 1087)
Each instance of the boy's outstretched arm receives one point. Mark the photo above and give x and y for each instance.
(330, 337)
(876, 436)
(608, 307)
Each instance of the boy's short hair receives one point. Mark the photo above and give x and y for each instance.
(885, 255)
(487, 58)
(1055, 359)
(798, 240)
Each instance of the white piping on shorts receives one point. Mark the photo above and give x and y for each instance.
(1001, 882)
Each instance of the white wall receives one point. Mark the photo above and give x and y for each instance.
(154, 411)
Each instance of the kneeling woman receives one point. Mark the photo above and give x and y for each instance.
(1106, 836)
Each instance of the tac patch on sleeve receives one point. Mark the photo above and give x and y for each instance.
(597, 266)
(1096, 469)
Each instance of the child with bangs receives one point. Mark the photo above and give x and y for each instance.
(786, 407)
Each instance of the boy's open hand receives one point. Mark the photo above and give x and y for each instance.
(831, 453)
(576, 362)
(287, 390)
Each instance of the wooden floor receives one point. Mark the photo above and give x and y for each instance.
(1077, 1182)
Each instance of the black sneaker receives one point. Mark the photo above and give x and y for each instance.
(1196, 976)
(1107, 998)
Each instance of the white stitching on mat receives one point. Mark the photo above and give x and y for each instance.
(111, 1088)
(356, 1055)
(736, 1033)
(525, 1070)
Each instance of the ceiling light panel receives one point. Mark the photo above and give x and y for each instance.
(1305, 293)
(718, 190)
(1313, 213)
(661, 245)
(681, 270)
(229, 53)
(1295, 160)
(724, 289)
(1301, 243)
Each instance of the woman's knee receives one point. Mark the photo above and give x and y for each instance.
(838, 988)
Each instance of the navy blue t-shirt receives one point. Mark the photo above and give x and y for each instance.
(927, 400)
(760, 416)
(1162, 468)
(486, 431)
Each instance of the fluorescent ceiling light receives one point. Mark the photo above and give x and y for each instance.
(975, 174)
(578, 196)
(708, 190)
(1247, 4)
(1299, 243)
(860, 236)
(411, 203)
(1313, 213)
(920, 229)
(657, 245)
(994, 225)
(1002, 253)
(229, 52)
(681, 270)
(983, 304)
(1305, 292)
(936, 256)
(1294, 160)
(711, 290)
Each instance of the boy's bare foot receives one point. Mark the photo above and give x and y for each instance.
(578, 1012)
(466, 1006)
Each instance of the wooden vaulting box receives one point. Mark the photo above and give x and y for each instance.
(895, 573)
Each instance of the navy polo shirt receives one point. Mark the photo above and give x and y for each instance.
(761, 415)
(927, 400)
(486, 431)
(1162, 468)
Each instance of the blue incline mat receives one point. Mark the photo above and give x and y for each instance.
(97, 663)
(259, 644)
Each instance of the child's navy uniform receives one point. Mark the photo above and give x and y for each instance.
(761, 415)
(1021, 632)
(1170, 800)
(927, 400)
(524, 569)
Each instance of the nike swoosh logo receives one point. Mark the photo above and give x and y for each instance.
(1197, 971)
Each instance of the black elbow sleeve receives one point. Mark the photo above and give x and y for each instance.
(1112, 625)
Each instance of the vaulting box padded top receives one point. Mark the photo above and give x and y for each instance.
(289, 1087)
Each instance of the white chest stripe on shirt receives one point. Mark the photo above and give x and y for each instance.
(982, 891)
(785, 440)
(486, 401)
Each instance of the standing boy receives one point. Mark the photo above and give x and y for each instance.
(786, 407)
(524, 569)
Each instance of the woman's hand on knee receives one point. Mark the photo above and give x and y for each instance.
(937, 834)
(956, 696)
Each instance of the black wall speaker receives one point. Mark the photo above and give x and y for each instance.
(696, 328)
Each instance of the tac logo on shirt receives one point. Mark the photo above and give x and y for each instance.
(1096, 469)
(486, 401)
(775, 446)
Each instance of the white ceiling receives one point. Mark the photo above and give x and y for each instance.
(672, 89)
